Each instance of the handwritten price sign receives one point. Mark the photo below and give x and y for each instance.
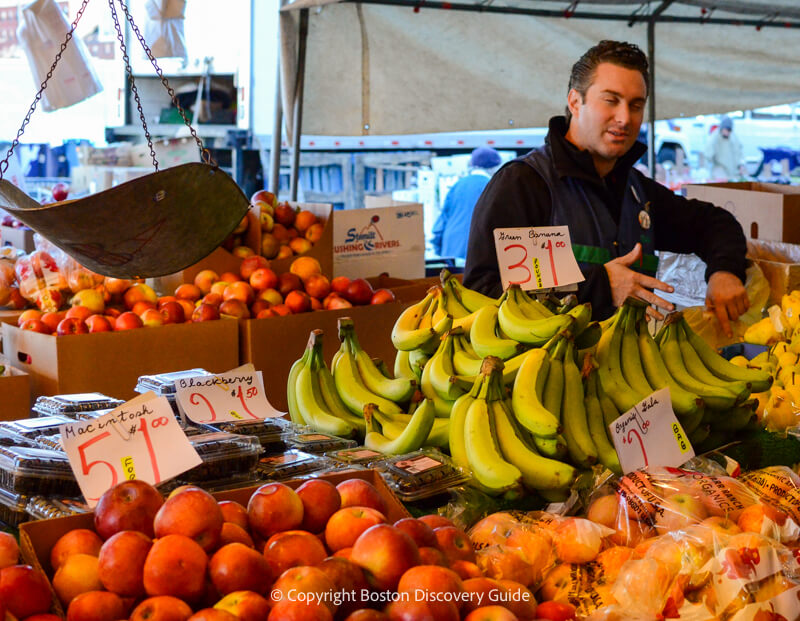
(536, 258)
(650, 435)
(140, 439)
(231, 396)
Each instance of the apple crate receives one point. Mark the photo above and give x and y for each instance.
(38, 538)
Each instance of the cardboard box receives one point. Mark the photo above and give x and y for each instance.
(21, 238)
(391, 237)
(38, 538)
(10, 316)
(273, 344)
(15, 394)
(111, 362)
(765, 210)
(780, 263)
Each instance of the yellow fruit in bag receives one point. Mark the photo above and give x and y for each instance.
(789, 376)
(740, 361)
(763, 399)
(780, 412)
(791, 310)
(762, 333)
(787, 359)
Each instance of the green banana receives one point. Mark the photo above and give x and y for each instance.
(439, 435)
(610, 412)
(472, 300)
(582, 313)
(351, 388)
(567, 303)
(418, 358)
(630, 357)
(734, 419)
(484, 339)
(465, 363)
(580, 445)
(609, 365)
(398, 390)
(699, 371)
(606, 453)
(442, 406)
(410, 331)
(414, 434)
(553, 390)
(525, 402)
(440, 370)
(714, 397)
(537, 472)
(697, 436)
(554, 448)
(684, 403)
(517, 326)
(759, 380)
(589, 336)
(291, 388)
(530, 306)
(310, 402)
(452, 301)
(489, 467)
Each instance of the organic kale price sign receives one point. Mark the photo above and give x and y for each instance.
(140, 439)
(235, 395)
(649, 435)
(536, 258)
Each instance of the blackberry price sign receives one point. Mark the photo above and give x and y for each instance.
(233, 396)
(536, 257)
(649, 434)
(140, 439)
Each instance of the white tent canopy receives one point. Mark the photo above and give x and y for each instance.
(384, 67)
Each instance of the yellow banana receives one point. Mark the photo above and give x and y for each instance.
(609, 365)
(412, 437)
(409, 331)
(398, 390)
(484, 339)
(402, 365)
(418, 358)
(699, 371)
(291, 388)
(517, 326)
(440, 370)
(458, 416)
(452, 302)
(310, 402)
(582, 313)
(334, 402)
(442, 406)
(573, 413)
(464, 362)
(629, 355)
(554, 448)
(525, 401)
(553, 390)
(472, 300)
(759, 380)
(610, 412)
(530, 306)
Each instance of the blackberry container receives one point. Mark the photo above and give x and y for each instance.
(12, 508)
(421, 474)
(224, 455)
(51, 443)
(271, 432)
(30, 428)
(36, 471)
(163, 384)
(44, 508)
(74, 404)
(291, 464)
(319, 443)
(357, 456)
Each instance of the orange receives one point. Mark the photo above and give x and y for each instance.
(305, 267)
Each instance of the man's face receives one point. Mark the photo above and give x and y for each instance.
(606, 122)
(725, 132)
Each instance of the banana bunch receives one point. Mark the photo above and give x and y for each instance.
(486, 438)
(421, 325)
(360, 382)
(411, 435)
(313, 397)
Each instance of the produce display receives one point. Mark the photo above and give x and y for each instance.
(285, 231)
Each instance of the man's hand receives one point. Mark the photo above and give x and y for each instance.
(727, 297)
(625, 282)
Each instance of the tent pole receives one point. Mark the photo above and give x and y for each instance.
(651, 99)
(277, 131)
(297, 127)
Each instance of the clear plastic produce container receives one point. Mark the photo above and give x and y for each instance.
(312, 441)
(357, 456)
(421, 474)
(36, 471)
(291, 464)
(223, 455)
(12, 508)
(44, 508)
(271, 432)
(75, 404)
(30, 428)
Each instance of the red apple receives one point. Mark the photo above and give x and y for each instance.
(99, 323)
(347, 577)
(76, 541)
(72, 325)
(205, 312)
(252, 264)
(320, 501)
(234, 308)
(235, 567)
(679, 511)
(213, 614)
(434, 583)
(130, 505)
(298, 301)
(35, 325)
(233, 533)
(299, 610)
(188, 291)
(121, 563)
(292, 548)
(274, 507)
(339, 285)
(334, 302)
(420, 532)
(347, 524)
(24, 590)
(234, 512)
(263, 196)
(270, 295)
(172, 312)
(310, 581)
(128, 321)
(239, 291)
(139, 292)
(152, 318)
(193, 513)
(26, 315)
(96, 606)
(416, 609)
(358, 492)
(359, 292)
(454, 544)
(53, 319)
(386, 553)
(382, 296)
(9, 550)
(60, 192)
(245, 605)
(288, 282)
(285, 214)
(176, 565)
(161, 608)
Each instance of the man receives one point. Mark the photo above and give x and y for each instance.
(724, 152)
(617, 217)
(452, 226)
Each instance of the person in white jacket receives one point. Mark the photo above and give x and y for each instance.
(724, 152)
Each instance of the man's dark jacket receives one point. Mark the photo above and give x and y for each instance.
(558, 184)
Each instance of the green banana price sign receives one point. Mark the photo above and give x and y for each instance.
(536, 257)
(649, 434)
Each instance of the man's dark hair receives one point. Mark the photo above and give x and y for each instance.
(627, 55)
